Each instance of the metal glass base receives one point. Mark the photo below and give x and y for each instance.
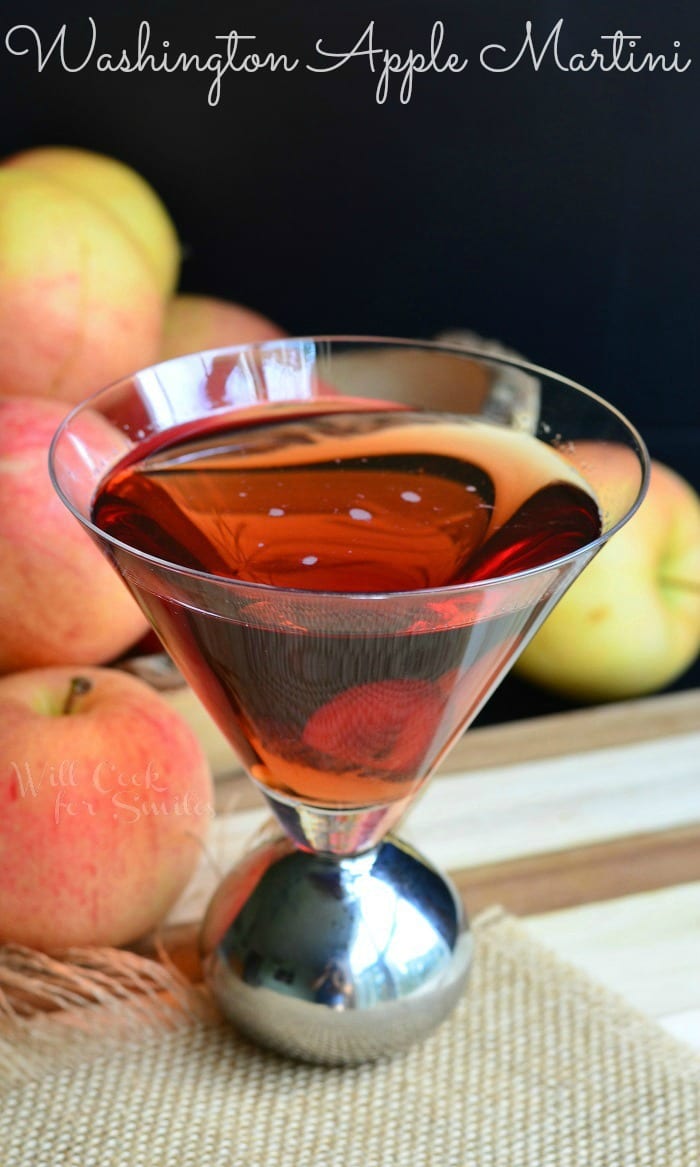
(336, 960)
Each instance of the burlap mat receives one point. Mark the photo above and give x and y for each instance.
(538, 1067)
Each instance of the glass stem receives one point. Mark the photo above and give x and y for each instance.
(335, 831)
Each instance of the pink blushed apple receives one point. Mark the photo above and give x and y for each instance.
(105, 796)
(79, 303)
(194, 323)
(122, 193)
(630, 624)
(60, 600)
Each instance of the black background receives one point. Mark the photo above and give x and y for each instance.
(556, 211)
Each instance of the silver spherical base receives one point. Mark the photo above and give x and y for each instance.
(336, 960)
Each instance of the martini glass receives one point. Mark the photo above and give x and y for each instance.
(344, 544)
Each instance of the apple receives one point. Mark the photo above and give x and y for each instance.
(105, 796)
(60, 600)
(123, 193)
(630, 624)
(79, 304)
(196, 323)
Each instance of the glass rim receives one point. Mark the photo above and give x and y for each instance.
(308, 594)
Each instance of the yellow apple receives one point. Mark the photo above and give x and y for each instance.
(630, 624)
(79, 306)
(105, 794)
(123, 193)
(195, 323)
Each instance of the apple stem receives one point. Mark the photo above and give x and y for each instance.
(686, 585)
(77, 688)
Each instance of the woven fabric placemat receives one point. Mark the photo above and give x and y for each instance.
(538, 1067)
